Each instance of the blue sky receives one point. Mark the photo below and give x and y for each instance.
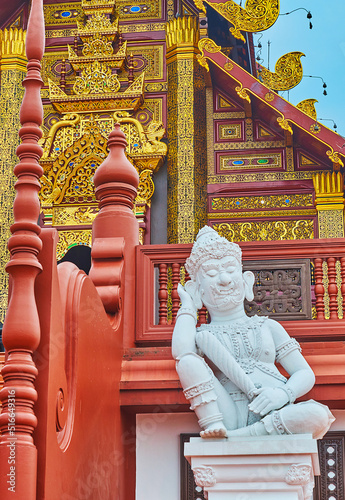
(324, 47)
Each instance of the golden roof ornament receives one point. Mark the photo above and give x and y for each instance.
(257, 15)
(308, 107)
(288, 72)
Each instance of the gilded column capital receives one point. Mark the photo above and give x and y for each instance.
(182, 37)
(329, 191)
(12, 47)
(329, 201)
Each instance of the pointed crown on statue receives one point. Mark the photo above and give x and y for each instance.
(209, 245)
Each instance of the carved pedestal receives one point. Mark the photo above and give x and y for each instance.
(255, 468)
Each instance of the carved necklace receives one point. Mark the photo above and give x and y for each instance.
(235, 334)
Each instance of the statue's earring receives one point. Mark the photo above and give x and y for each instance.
(249, 280)
(193, 289)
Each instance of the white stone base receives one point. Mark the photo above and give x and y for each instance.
(255, 468)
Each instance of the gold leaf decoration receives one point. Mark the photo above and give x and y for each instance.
(210, 46)
(308, 107)
(288, 72)
(257, 15)
(284, 124)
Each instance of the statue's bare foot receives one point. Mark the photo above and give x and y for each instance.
(217, 430)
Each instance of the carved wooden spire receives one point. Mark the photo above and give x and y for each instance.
(21, 331)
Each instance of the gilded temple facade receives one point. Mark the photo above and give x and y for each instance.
(208, 147)
(213, 142)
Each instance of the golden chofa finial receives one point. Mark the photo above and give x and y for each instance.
(257, 15)
(288, 72)
(308, 107)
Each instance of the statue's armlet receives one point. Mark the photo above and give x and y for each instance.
(284, 349)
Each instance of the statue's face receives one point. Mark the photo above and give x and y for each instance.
(221, 284)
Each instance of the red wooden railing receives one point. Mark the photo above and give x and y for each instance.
(161, 267)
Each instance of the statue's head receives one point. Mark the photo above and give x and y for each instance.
(215, 269)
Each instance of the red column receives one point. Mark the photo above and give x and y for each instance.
(21, 331)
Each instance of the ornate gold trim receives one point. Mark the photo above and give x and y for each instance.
(288, 72)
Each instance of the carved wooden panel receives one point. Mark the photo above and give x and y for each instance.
(281, 289)
(189, 490)
(329, 486)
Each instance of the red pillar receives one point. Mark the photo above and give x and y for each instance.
(21, 331)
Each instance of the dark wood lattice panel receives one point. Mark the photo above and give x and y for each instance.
(329, 486)
(189, 490)
(282, 289)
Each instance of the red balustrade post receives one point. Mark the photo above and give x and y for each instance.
(342, 264)
(332, 288)
(319, 289)
(163, 294)
(21, 331)
(175, 298)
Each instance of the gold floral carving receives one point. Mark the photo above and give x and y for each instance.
(331, 223)
(260, 202)
(242, 93)
(98, 23)
(71, 173)
(96, 78)
(142, 27)
(211, 47)
(269, 97)
(334, 157)
(146, 188)
(284, 124)
(288, 72)
(257, 15)
(308, 107)
(89, 6)
(315, 128)
(69, 239)
(260, 177)
(228, 146)
(266, 230)
(74, 215)
(284, 212)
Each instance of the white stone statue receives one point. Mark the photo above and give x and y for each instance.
(227, 367)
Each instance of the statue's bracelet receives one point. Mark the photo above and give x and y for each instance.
(188, 311)
(289, 392)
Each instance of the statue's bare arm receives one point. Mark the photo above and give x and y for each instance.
(300, 382)
(183, 340)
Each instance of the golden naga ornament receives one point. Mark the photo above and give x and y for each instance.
(308, 107)
(257, 15)
(288, 72)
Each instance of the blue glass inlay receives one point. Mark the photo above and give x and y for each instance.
(136, 145)
(93, 164)
(238, 162)
(66, 13)
(287, 201)
(237, 202)
(135, 8)
(76, 187)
